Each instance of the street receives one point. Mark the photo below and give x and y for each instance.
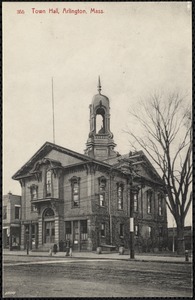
(71, 277)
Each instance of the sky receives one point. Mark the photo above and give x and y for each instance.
(136, 48)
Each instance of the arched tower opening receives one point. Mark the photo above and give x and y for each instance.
(100, 121)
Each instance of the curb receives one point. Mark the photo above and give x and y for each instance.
(103, 258)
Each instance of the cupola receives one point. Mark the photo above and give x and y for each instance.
(100, 144)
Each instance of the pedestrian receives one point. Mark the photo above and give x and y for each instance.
(70, 249)
(50, 251)
(55, 248)
(61, 246)
(67, 247)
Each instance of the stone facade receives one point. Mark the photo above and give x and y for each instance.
(86, 198)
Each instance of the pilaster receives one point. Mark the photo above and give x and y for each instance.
(89, 235)
(40, 231)
(56, 230)
(22, 237)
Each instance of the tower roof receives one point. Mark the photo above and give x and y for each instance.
(100, 99)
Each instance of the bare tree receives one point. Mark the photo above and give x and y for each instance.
(166, 124)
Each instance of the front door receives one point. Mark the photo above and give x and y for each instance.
(75, 235)
(49, 232)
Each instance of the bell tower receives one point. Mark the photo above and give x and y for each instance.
(100, 143)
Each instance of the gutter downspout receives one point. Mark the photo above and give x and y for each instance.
(109, 207)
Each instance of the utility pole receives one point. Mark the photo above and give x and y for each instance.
(110, 215)
(27, 241)
(131, 236)
(128, 169)
(53, 112)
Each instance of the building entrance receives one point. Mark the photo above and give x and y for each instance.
(49, 231)
(75, 236)
(76, 232)
(48, 226)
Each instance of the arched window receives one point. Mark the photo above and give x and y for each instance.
(149, 201)
(102, 190)
(150, 231)
(34, 192)
(160, 204)
(48, 183)
(75, 184)
(135, 201)
(120, 188)
(34, 196)
(48, 212)
(100, 120)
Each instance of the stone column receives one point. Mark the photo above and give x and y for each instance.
(79, 233)
(36, 235)
(89, 235)
(30, 236)
(57, 230)
(61, 229)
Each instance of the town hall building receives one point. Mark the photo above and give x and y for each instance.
(86, 197)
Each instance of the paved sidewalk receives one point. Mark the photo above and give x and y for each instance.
(94, 255)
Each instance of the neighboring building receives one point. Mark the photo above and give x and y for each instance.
(172, 238)
(11, 221)
(86, 198)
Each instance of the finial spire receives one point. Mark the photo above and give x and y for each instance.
(99, 85)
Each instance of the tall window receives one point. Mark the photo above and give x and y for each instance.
(83, 230)
(48, 183)
(149, 232)
(160, 231)
(33, 207)
(121, 230)
(68, 230)
(34, 192)
(17, 212)
(34, 196)
(103, 229)
(120, 195)
(33, 234)
(135, 201)
(4, 212)
(102, 190)
(149, 201)
(75, 183)
(160, 204)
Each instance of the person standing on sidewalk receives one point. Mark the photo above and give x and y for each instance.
(67, 247)
(61, 246)
(70, 249)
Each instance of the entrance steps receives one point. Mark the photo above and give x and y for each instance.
(44, 248)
